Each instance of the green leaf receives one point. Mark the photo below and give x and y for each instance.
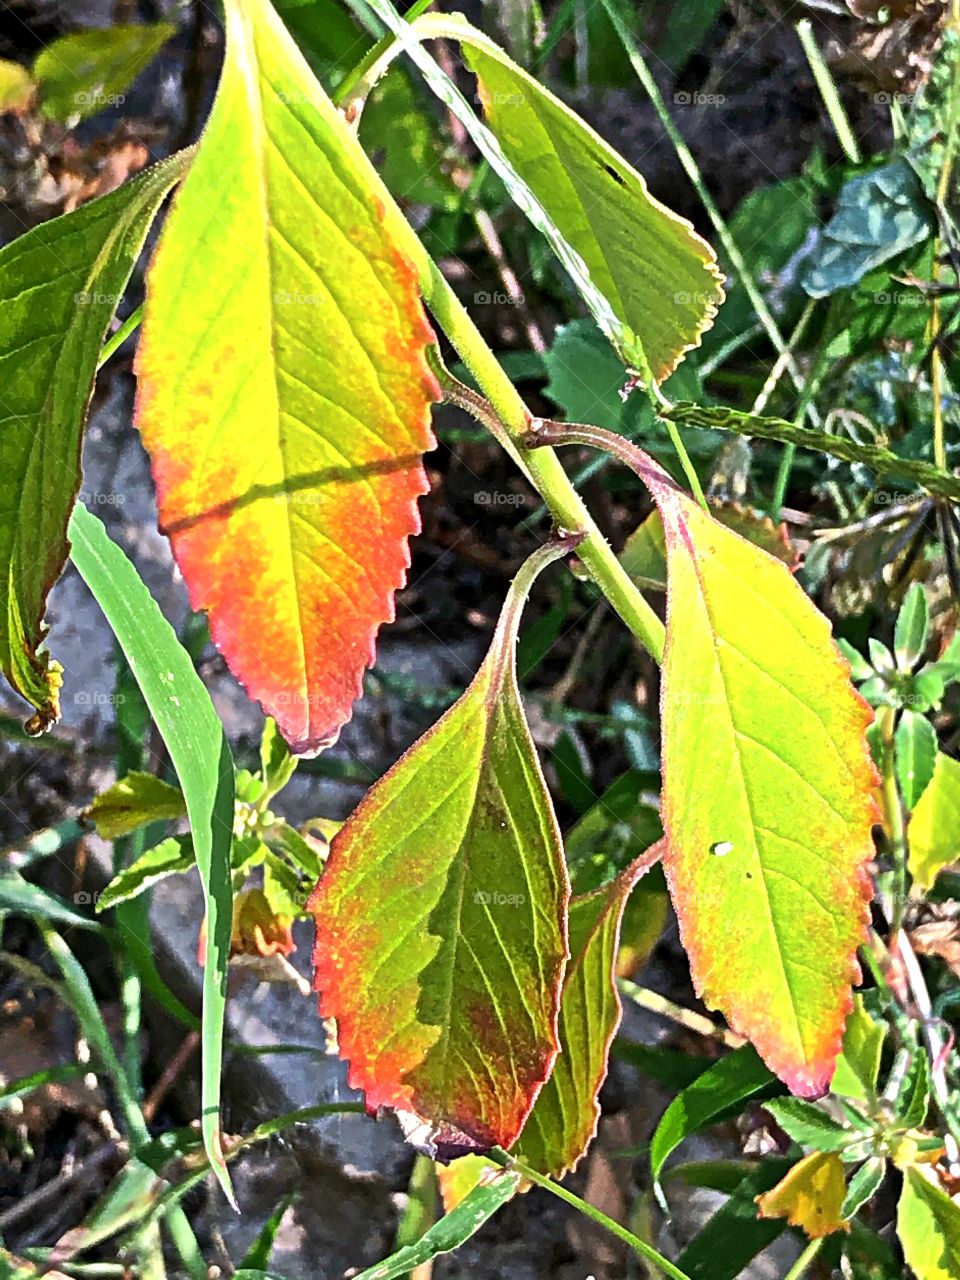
(864, 1185)
(809, 1125)
(933, 104)
(928, 1228)
(733, 1080)
(656, 275)
(913, 628)
(453, 1229)
(329, 388)
(933, 833)
(564, 1117)
(448, 883)
(859, 1062)
(735, 1235)
(404, 139)
(133, 802)
(621, 205)
(882, 462)
(878, 215)
(277, 765)
(78, 75)
(188, 724)
(913, 1098)
(165, 859)
(26, 899)
(860, 668)
(614, 831)
(258, 1255)
(916, 754)
(59, 287)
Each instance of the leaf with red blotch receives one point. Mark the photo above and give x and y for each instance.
(284, 394)
(441, 919)
(564, 1118)
(768, 793)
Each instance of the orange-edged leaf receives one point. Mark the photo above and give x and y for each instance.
(59, 287)
(811, 1196)
(283, 391)
(768, 788)
(767, 794)
(564, 1118)
(441, 920)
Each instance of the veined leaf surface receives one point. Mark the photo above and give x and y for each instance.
(564, 1117)
(767, 794)
(658, 277)
(768, 787)
(284, 395)
(441, 920)
(59, 287)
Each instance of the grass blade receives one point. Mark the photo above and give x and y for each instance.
(198, 748)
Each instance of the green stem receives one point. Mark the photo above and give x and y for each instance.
(541, 465)
(673, 431)
(943, 193)
(785, 468)
(351, 93)
(808, 1255)
(692, 170)
(893, 812)
(646, 1251)
(828, 92)
(116, 340)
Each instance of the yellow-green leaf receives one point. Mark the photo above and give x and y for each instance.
(134, 801)
(933, 834)
(564, 1117)
(81, 74)
(768, 788)
(657, 277)
(859, 1062)
(16, 86)
(928, 1227)
(767, 794)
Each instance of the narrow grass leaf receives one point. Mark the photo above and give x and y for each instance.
(188, 724)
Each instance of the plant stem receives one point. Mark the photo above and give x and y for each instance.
(116, 340)
(808, 1255)
(688, 1018)
(811, 387)
(893, 812)
(943, 193)
(646, 1251)
(351, 93)
(541, 465)
(828, 92)
(692, 170)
